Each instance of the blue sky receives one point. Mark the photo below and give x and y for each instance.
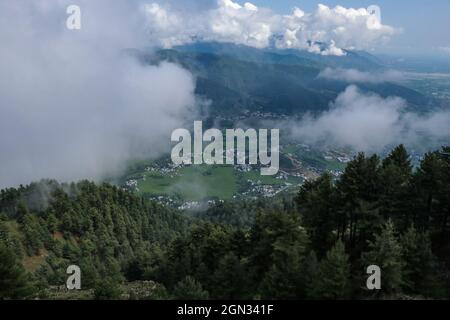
(426, 24)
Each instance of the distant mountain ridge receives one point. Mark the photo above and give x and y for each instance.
(353, 59)
(241, 80)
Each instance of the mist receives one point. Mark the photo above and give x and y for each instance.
(357, 76)
(73, 103)
(368, 122)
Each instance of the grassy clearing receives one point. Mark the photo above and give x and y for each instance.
(192, 183)
(256, 177)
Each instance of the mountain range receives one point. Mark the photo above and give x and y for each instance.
(240, 80)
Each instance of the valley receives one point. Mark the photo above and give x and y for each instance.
(252, 87)
(166, 150)
(196, 186)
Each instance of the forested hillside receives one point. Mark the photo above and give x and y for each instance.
(50, 226)
(316, 246)
(239, 80)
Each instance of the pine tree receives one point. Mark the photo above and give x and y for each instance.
(428, 182)
(386, 252)
(273, 236)
(400, 158)
(278, 243)
(283, 279)
(311, 276)
(90, 276)
(420, 263)
(189, 289)
(335, 273)
(33, 234)
(230, 278)
(52, 223)
(395, 200)
(317, 204)
(107, 289)
(444, 192)
(359, 191)
(14, 283)
(21, 211)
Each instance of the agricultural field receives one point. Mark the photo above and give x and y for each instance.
(187, 186)
(192, 183)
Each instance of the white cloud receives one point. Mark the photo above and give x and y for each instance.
(228, 22)
(72, 104)
(327, 31)
(356, 76)
(368, 122)
(445, 49)
(339, 27)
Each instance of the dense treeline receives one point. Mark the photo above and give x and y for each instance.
(99, 228)
(387, 214)
(379, 212)
(317, 245)
(242, 213)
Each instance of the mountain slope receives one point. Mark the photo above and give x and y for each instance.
(97, 227)
(240, 80)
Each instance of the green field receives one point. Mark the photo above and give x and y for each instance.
(204, 182)
(193, 183)
(256, 177)
(316, 160)
(197, 183)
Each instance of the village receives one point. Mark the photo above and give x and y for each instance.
(176, 185)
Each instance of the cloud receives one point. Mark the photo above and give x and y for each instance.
(356, 76)
(326, 31)
(227, 22)
(368, 122)
(339, 27)
(74, 104)
(444, 49)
